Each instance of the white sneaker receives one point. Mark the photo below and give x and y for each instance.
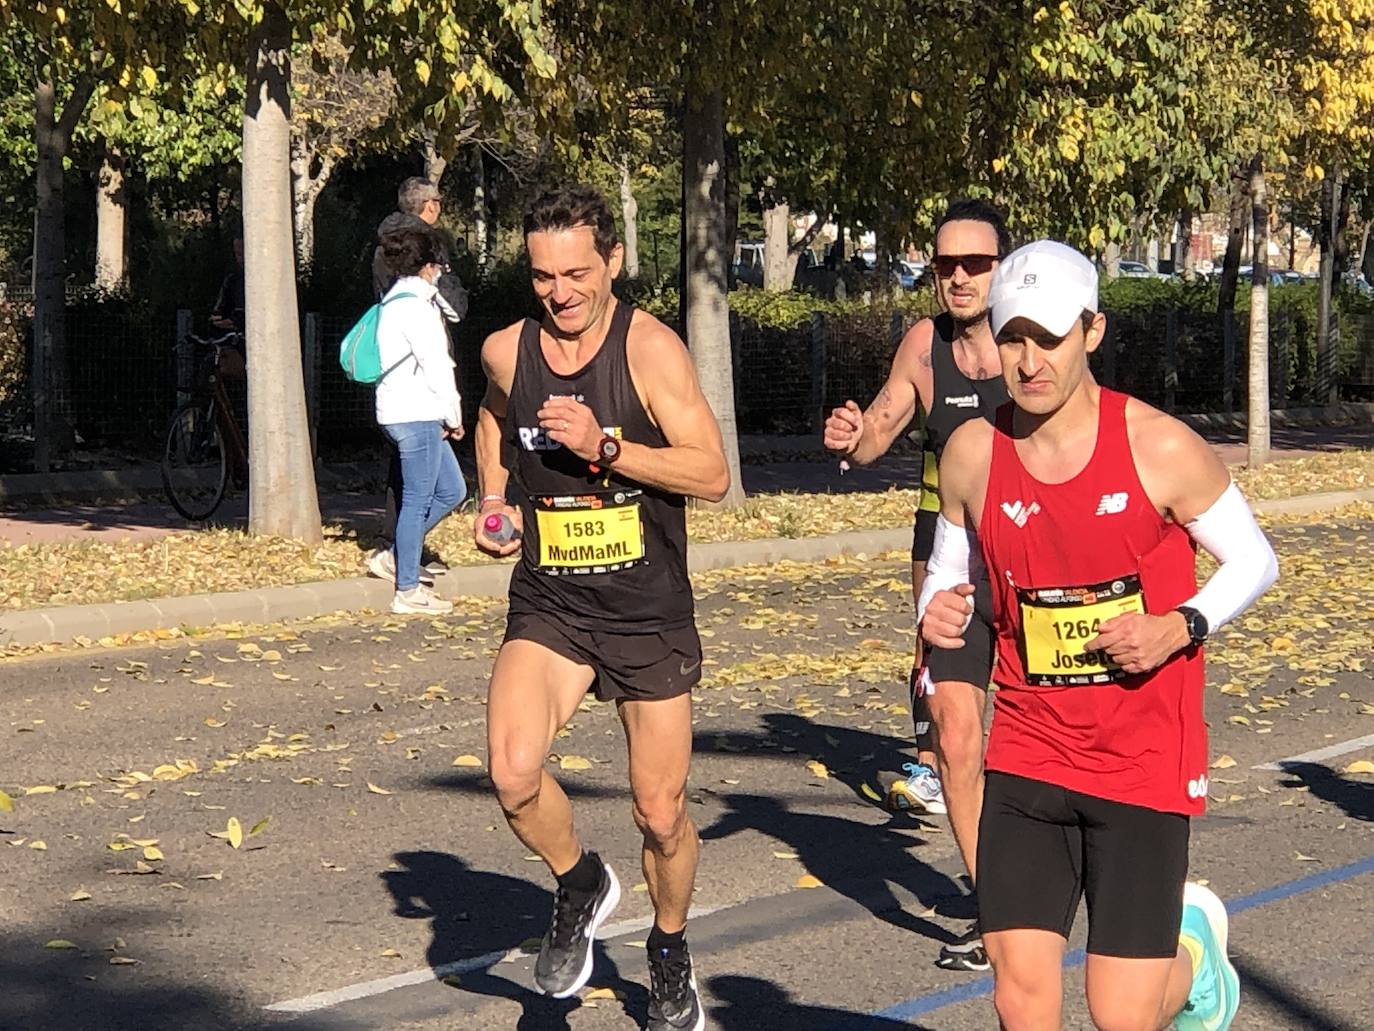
(919, 790)
(420, 600)
(381, 563)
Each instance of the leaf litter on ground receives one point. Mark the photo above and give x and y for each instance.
(221, 559)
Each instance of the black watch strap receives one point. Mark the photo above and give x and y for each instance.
(1196, 623)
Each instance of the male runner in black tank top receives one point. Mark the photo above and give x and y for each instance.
(950, 367)
(592, 434)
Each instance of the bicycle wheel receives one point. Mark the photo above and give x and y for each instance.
(195, 471)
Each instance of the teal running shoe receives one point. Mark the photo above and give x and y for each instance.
(1215, 995)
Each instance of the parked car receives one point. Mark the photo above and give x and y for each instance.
(1137, 270)
(749, 268)
(909, 273)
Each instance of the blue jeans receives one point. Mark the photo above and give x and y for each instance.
(431, 488)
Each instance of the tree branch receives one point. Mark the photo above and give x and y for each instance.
(810, 234)
(82, 90)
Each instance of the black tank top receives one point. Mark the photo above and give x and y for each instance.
(957, 399)
(599, 552)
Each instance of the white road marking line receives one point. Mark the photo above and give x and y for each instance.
(381, 985)
(1316, 756)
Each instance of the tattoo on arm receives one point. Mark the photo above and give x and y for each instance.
(882, 402)
(924, 359)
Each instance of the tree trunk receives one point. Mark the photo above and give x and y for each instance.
(435, 162)
(707, 315)
(1183, 226)
(1327, 392)
(731, 207)
(52, 431)
(111, 199)
(282, 498)
(306, 187)
(778, 263)
(1226, 292)
(1111, 260)
(1258, 416)
(479, 207)
(629, 213)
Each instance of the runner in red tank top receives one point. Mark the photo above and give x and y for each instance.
(1086, 506)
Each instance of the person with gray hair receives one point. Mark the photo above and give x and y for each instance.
(418, 204)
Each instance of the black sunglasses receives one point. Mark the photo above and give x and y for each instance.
(973, 264)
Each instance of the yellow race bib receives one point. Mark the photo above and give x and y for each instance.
(1058, 622)
(592, 533)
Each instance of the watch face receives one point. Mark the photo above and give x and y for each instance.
(609, 449)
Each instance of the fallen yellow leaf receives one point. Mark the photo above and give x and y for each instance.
(1224, 762)
(6, 803)
(467, 760)
(235, 831)
(60, 943)
(40, 789)
(152, 853)
(376, 790)
(808, 881)
(1360, 766)
(81, 895)
(574, 762)
(38, 846)
(818, 768)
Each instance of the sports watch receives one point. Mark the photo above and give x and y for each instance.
(1196, 623)
(607, 450)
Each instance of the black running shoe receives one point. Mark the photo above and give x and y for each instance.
(673, 1001)
(565, 957)
(966, 952)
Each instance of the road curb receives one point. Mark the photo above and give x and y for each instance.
(301, 601)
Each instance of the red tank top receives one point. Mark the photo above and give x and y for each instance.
(1063, 558)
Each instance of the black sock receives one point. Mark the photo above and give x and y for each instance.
(585, 876)
(661, 940)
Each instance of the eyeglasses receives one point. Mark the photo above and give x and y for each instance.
(973, 264)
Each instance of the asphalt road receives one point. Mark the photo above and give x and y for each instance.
(382, 862)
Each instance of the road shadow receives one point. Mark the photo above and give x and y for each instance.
(1282, 998)
(475, 913)
(79, 990)
(751, 1003)
(1354, 797)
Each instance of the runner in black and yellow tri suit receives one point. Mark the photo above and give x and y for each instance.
(592, 435)
(949, 366)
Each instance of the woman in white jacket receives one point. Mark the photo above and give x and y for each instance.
(418, 407)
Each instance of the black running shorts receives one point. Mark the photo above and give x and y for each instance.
(971, 664)
(1042, 847)
(629, 667)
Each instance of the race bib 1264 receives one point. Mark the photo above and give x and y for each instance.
(1058, 622)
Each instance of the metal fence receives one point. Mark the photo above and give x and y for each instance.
(123, 376)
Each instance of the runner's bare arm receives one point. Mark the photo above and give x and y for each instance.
(946, 605)
(661, 368)
(498, 362)
(866, 437)
(1186, 480)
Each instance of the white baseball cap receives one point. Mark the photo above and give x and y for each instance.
(1047, 282)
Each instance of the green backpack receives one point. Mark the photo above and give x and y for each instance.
(359, 353)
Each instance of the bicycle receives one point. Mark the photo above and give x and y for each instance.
(204, 446)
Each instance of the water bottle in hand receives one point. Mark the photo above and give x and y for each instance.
(499, 528)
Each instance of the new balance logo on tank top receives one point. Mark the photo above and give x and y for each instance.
(599, 552)
(1063, 559)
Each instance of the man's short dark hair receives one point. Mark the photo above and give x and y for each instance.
(408, 249)
(971, 209)
(569, 207)
(415, 193)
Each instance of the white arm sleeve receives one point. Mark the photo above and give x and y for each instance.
(1248, 566)
(948, 565)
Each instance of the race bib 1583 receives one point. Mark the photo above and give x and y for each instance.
(588, 534)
